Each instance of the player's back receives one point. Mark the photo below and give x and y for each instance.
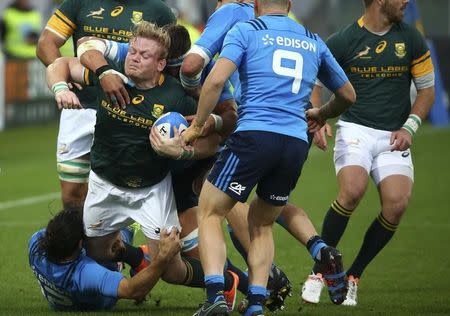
(277, 73)
(61, 284)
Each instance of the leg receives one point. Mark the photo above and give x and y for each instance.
(75, 137)
(394, 192)
(213, 207)
(237, 220)
(73, 176)
(297, 223)
(352, 182)
(189, 232)
(261, 217)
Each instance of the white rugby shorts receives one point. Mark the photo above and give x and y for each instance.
(371, 149)
(76, 133)
(109, 208)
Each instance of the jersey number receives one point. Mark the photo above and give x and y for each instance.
(296, 72)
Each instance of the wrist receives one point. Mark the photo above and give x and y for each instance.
(412, 124)
(186, 154)
(60, 86)
(100, 71)
(218, 122)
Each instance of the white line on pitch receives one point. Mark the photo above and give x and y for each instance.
(28, 201)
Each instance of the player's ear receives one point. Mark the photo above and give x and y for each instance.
(162, 64)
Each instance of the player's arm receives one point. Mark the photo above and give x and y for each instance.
(320, 137)
(211, 90)
(92, 51)
(48, 47)
(59, 73)
(332, 76)
(141, 284)
(422, 71)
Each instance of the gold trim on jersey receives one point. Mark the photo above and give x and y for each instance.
(161, 80)
(361, 21)
(61, 24)
(86, 80)
(422, 66)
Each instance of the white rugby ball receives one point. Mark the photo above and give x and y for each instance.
(168, 121)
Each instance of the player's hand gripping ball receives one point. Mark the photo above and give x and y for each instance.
(165, 124)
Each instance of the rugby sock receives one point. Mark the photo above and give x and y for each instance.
(256, 297)
(237, 244)
(214, 287)
(243, 277)
(194, 272)
(132, 256)
(334, 225)
(377, 236)
(314, 244)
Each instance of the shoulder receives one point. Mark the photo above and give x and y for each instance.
(408, 30)
(173, 86)
(346, 33)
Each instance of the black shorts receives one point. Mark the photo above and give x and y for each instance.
(184, 173)
(270, 160)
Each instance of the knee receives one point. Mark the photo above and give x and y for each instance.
(350, 195)
(395, 206)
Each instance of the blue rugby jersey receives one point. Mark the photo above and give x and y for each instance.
(78, 285)
(279, 61)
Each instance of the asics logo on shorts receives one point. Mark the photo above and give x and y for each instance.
(236, 188)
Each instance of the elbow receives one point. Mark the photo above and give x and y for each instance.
(190, 66)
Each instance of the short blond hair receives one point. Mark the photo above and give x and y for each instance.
(151, 31)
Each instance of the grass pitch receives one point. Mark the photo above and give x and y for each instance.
(409, 277)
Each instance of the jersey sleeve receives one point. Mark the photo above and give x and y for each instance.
(234, 45)
(330, 74)
(336, 44)
(63, 21)
(97, 279)
(421, 64)
(219, 23)
(116, 52)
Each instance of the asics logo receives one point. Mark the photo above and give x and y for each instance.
(236, 188)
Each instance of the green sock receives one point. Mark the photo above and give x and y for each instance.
(194, 273)
(334, 225)
(377, 236)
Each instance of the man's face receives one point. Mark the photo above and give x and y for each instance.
(394, 10)
(143, 60)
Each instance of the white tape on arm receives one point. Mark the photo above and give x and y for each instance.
(92, 44)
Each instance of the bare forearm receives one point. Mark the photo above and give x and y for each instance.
(208, 100)
(423, 103)
(206, 146)
(142, 283)
(47, 52)
(58, 71)
(93, 59)
(342, 99)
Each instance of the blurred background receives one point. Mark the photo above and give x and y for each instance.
(25, 98)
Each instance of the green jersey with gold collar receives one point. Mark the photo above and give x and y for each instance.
(380, 68)
(121, 152)
(108, 19)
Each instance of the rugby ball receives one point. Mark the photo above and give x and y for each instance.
(165, 124)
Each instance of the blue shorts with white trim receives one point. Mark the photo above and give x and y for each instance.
(270, 160)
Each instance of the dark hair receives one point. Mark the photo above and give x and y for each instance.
(62, 235)
(367, 3)
(180, 42)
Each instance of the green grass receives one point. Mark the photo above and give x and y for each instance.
(410, 276)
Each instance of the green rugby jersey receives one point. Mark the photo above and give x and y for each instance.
(109, 19)
(380, 68)
(121, 152)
